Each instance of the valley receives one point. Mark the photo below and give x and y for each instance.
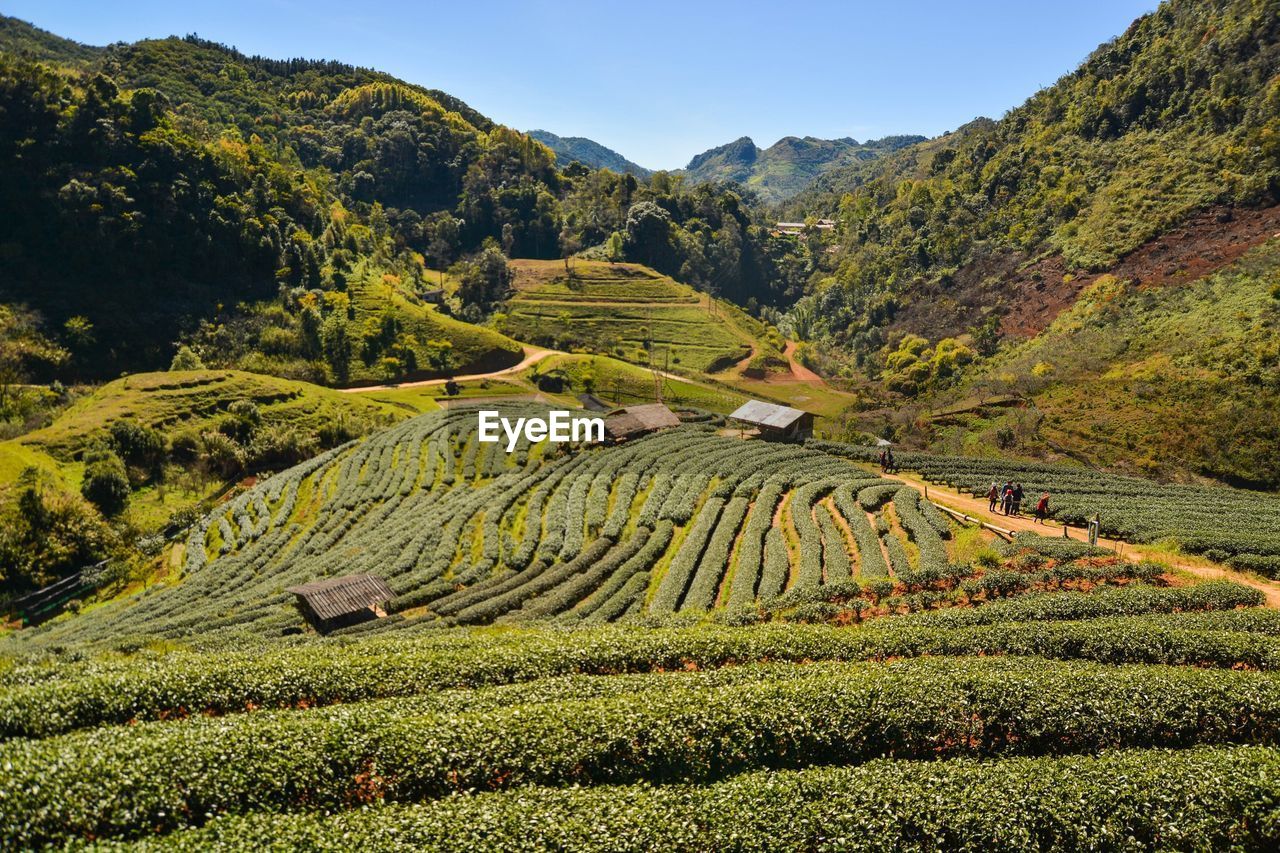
(263, 584)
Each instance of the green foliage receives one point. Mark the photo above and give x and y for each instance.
(106, 484)
(1214, 521)
(1209, 795)
(46, 531)
(1176, 114)
(186, 359)
(156, 776)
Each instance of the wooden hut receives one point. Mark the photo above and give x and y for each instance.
(774, 421)
(337, 602)
(634, 421)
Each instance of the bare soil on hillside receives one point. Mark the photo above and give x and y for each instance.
(1030, 293)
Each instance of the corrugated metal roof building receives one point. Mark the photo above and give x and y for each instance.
(775, 421)
(346, 600)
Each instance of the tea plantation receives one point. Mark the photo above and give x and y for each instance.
(685, 641)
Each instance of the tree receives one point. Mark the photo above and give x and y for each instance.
(336, 346)
(46, 532)
(186, 359)
(106, 483)
(613, 247)
(22, 347)
(570, 245)
(439, 355)
(484, 280)
(444, 237)
(648, 235)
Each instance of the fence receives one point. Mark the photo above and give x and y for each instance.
(34, 607)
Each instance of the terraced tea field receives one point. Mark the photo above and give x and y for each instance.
(1238, 527)
(627, 311)
(693, 637)
(682, 522)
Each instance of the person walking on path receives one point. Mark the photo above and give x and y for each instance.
(1006, 498)
(888, 455)
(993, 496)
(1017, 499)
(1042, 508)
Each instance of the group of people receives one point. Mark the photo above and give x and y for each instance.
(1010, 497)
(886, 460)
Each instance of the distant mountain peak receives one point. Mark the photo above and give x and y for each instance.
(588, 152)
(789, 165)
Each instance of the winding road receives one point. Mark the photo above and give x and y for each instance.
(532, 355)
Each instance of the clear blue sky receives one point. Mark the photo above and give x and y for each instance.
(660, 81)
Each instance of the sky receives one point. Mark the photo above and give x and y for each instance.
(657, 80)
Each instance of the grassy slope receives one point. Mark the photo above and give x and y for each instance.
(190, 400)
(475, 348)
(194, 400)
(618, 382)
(614, 308)
(1139, 374)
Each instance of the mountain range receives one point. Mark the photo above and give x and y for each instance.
(789, 165)
(776, 173)
(174, 190)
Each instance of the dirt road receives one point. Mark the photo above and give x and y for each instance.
(977, 507)
(799, 372)
(532, 355)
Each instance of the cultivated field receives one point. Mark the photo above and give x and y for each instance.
(623, 310)
(693, 637)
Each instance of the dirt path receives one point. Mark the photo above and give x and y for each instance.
(977, 507)
(799, 372)
(532, 355)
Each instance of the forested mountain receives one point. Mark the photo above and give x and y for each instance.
(588, 152)
(1144, 164)
(292, 216)
(789, 165)
(19, 37)
(166, 190)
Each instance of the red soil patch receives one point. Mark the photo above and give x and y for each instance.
(1200, 246)
(1029, 293)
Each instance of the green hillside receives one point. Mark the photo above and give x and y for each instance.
(687, 521)
(626, 311)
(194, 401)
(282, 595)
(1153, 164)
(178, 440)
(1153, 380)
(588, 152)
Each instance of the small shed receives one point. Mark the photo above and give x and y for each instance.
(337, 602)
(592, 403)
(435, 296)
(637, 420)
(775, 421)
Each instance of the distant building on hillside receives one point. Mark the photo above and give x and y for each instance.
(337, 602)
(434, 296)
(798, 227)
(633, 421)
(774, 421)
